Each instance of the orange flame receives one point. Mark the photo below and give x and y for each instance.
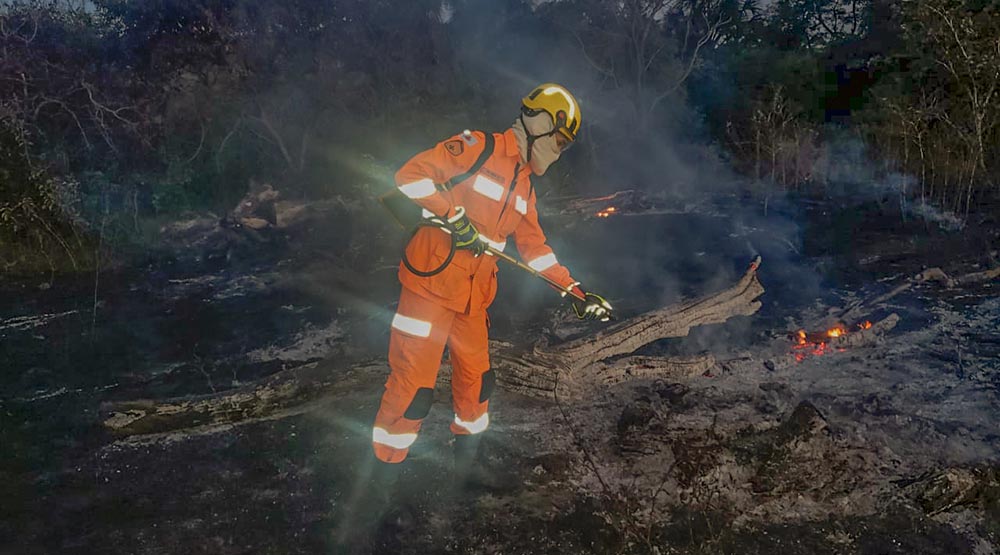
(817, 344)
(865, 325)
(837, 331)
(607, 212)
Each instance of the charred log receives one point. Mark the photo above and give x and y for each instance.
(573, 367)
(869, 336)
(287, 392)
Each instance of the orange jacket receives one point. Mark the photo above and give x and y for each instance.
(498, 199)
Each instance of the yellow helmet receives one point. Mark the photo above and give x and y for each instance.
(561, 106)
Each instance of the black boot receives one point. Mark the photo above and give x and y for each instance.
(382, 482)
(370, 500)
(472, 474)
(466, 450)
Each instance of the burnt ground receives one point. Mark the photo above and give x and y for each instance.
(891, 448)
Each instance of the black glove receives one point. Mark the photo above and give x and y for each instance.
(593, 308)
(466, 236)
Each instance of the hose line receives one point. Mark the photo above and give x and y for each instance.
(447, 260)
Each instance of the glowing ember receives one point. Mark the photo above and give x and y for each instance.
(607, 212)
(836, 331)
(817, 343)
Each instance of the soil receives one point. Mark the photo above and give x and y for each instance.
(886, 449)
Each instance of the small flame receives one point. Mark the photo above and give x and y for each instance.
(818, 343)
(865, 325)
(607, 212)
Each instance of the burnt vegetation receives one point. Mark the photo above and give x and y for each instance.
(196, 277)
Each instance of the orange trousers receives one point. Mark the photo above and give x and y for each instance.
(420, 330)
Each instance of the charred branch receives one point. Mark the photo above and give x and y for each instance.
(573, 365)
(930, 275)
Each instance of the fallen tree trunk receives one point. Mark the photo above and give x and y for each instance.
(573, 367)
(283, 393)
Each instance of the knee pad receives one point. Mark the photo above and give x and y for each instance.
(421, 404)
(489, 381)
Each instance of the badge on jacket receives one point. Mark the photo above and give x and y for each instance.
(469, 138)
(455, 147)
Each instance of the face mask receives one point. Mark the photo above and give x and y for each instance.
(544, 149)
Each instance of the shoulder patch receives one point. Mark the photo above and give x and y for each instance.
(456, 148)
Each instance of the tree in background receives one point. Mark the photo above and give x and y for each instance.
(951, 92)
(114, 113)
(61, 115)
(647, 49)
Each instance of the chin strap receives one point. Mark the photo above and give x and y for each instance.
(529, 138)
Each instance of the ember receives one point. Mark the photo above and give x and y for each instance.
(818, 343)
(607, 212)
(836, 331)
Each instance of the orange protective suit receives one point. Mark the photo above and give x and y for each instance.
(450, 307)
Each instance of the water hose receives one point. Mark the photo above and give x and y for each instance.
(451, 251)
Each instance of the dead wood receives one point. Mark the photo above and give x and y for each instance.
(536, 373)
(573, 367)
(865, 337)
(621, 200)
(951, 488)
(641, 367)
(978, 277)
(930, 275)
(286, 392)
(748, 362)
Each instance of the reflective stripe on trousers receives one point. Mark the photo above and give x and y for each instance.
(419, 332)
(477, 426)
(396, 441)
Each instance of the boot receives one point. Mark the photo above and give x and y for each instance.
(466, 449)
(368, 504)
(471, 473)
(374, 497)
(382, 481)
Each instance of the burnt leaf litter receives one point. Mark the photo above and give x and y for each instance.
(887, 448)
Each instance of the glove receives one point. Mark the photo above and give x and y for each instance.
(466, 236)
(594, 307)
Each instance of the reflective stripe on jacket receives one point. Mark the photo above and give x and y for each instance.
(498, 202)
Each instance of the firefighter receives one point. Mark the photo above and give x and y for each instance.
(493, 200)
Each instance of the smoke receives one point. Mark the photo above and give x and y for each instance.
(847, 171)
(639, 262)
(500, 51)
